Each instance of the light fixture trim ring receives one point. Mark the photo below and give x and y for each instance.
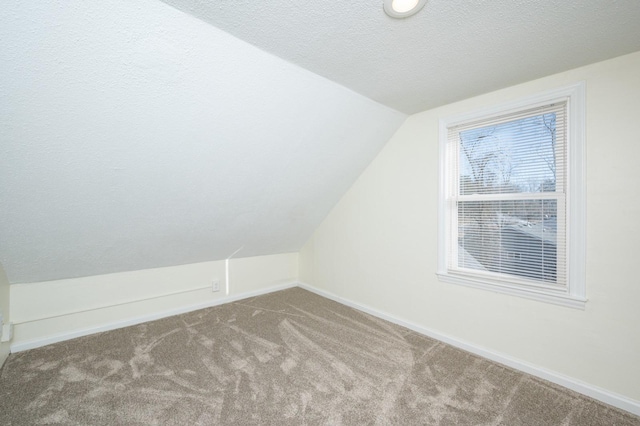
(388, 8)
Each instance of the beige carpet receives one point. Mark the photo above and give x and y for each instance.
(287, 358)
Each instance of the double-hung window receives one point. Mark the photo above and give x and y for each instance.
(512, 198)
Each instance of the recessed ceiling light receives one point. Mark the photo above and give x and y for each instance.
(403, 8)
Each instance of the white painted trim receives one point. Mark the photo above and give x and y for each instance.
(533, 101)
(595, 392)
(60, 337)
(577, 196)
(574, 295)
(562, 299)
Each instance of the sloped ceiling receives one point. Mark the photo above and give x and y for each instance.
(133, 135)
(141, 133)
(451, 50)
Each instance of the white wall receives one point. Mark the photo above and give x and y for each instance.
(46, 312)
(4, 309)
(135, 136)
(378, 245)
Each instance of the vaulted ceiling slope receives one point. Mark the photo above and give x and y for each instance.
(451, 50)
(133, 135)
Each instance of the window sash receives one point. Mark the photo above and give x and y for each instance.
(532, 271)
(573, 293)
(540, 262)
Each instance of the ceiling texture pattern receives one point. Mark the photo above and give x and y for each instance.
(147, 133)
(451, 50)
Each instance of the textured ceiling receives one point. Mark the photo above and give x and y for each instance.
(133, 135)
(451, 50)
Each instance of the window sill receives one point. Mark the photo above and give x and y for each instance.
(559, 298)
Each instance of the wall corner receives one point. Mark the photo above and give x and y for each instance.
(306, 260)
(5, 312)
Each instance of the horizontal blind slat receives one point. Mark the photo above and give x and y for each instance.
(506, 186)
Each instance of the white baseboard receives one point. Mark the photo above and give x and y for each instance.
(595, 392)
(587, 389)
(60, 337)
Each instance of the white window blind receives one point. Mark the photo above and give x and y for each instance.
(507, 196)
(511, 204)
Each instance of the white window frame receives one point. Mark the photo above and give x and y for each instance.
(574, 294)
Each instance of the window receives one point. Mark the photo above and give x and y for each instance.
(512, 198)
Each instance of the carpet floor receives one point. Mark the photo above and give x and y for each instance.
(285, 358)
